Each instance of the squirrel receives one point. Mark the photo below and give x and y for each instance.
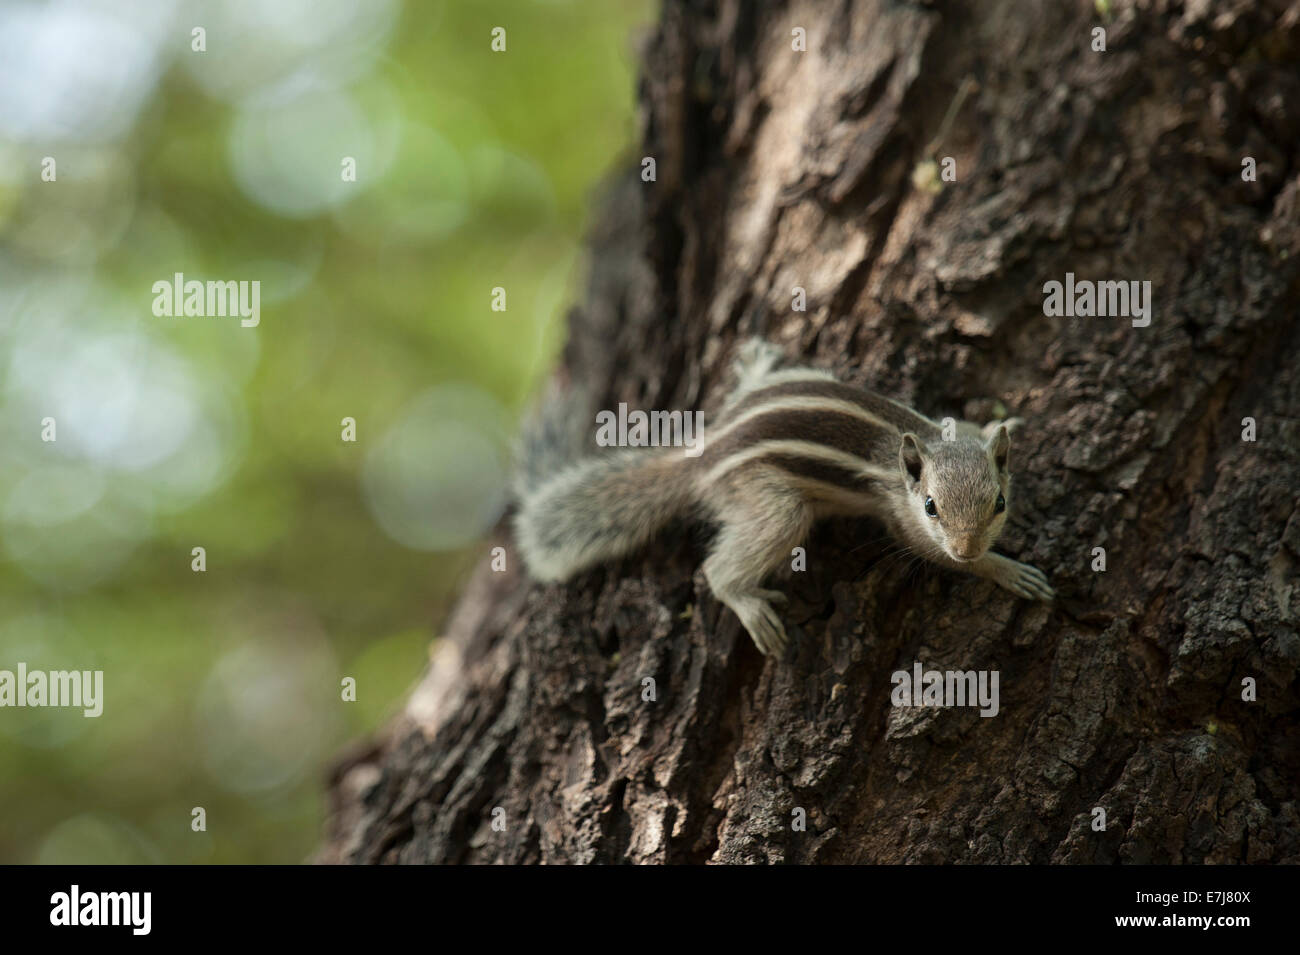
(791, 446)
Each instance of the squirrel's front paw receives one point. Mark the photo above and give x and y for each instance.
(1025, 580)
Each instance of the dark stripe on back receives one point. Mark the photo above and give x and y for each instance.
(902, 418)
(813, 470)
(830, 429)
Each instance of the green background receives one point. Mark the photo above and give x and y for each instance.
(222, 688)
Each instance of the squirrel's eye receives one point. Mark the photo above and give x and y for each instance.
(1001, 505)
(930, 508)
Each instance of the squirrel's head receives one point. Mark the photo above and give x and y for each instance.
(958, 490)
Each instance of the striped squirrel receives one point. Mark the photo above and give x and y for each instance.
(790, 446)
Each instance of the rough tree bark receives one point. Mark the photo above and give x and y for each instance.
(777, 169)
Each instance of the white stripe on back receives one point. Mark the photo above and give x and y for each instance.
(809, 450)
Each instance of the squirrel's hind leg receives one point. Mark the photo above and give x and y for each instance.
(761, 524)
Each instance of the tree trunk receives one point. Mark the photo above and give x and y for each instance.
(779, 169)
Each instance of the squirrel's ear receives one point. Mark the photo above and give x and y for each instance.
(911, 458)
(998, 446)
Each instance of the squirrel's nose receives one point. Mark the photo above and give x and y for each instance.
(967, 549)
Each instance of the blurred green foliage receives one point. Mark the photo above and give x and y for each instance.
(223, 688)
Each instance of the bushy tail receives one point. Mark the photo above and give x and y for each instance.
(600, 509)
(554, 436)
